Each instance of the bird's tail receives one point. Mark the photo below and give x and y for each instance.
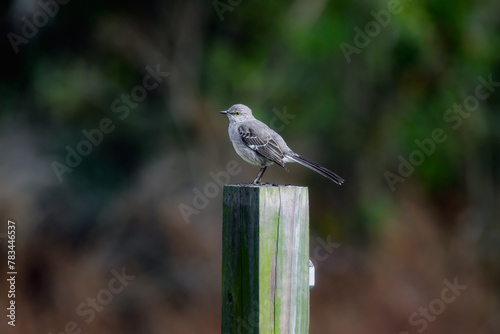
(317, 168)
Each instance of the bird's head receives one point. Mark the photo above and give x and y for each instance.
(238, 113)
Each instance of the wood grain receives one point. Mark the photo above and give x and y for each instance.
(265, 287)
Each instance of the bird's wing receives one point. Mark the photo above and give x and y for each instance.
(262, 143)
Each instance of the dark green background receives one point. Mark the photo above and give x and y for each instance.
(359, 115)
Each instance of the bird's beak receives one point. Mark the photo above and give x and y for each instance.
(223, 112)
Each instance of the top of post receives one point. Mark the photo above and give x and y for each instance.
(263, 185)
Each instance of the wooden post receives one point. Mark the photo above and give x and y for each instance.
(265, 261)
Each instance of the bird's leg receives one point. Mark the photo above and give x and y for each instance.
(259, 174)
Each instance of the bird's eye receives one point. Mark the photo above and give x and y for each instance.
(237, 113)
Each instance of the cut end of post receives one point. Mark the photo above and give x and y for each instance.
(263, 185)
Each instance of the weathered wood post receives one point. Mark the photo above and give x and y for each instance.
(265, 261)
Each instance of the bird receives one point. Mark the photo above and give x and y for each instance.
(258, 144)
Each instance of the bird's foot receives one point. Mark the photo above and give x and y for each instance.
(246, 184)
(265, 184)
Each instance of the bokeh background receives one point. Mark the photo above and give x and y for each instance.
(384, 245)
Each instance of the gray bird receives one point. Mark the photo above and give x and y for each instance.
(258, 144)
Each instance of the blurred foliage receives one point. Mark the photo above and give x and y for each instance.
(356, 116)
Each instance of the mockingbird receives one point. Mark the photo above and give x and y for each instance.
(258, 144)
